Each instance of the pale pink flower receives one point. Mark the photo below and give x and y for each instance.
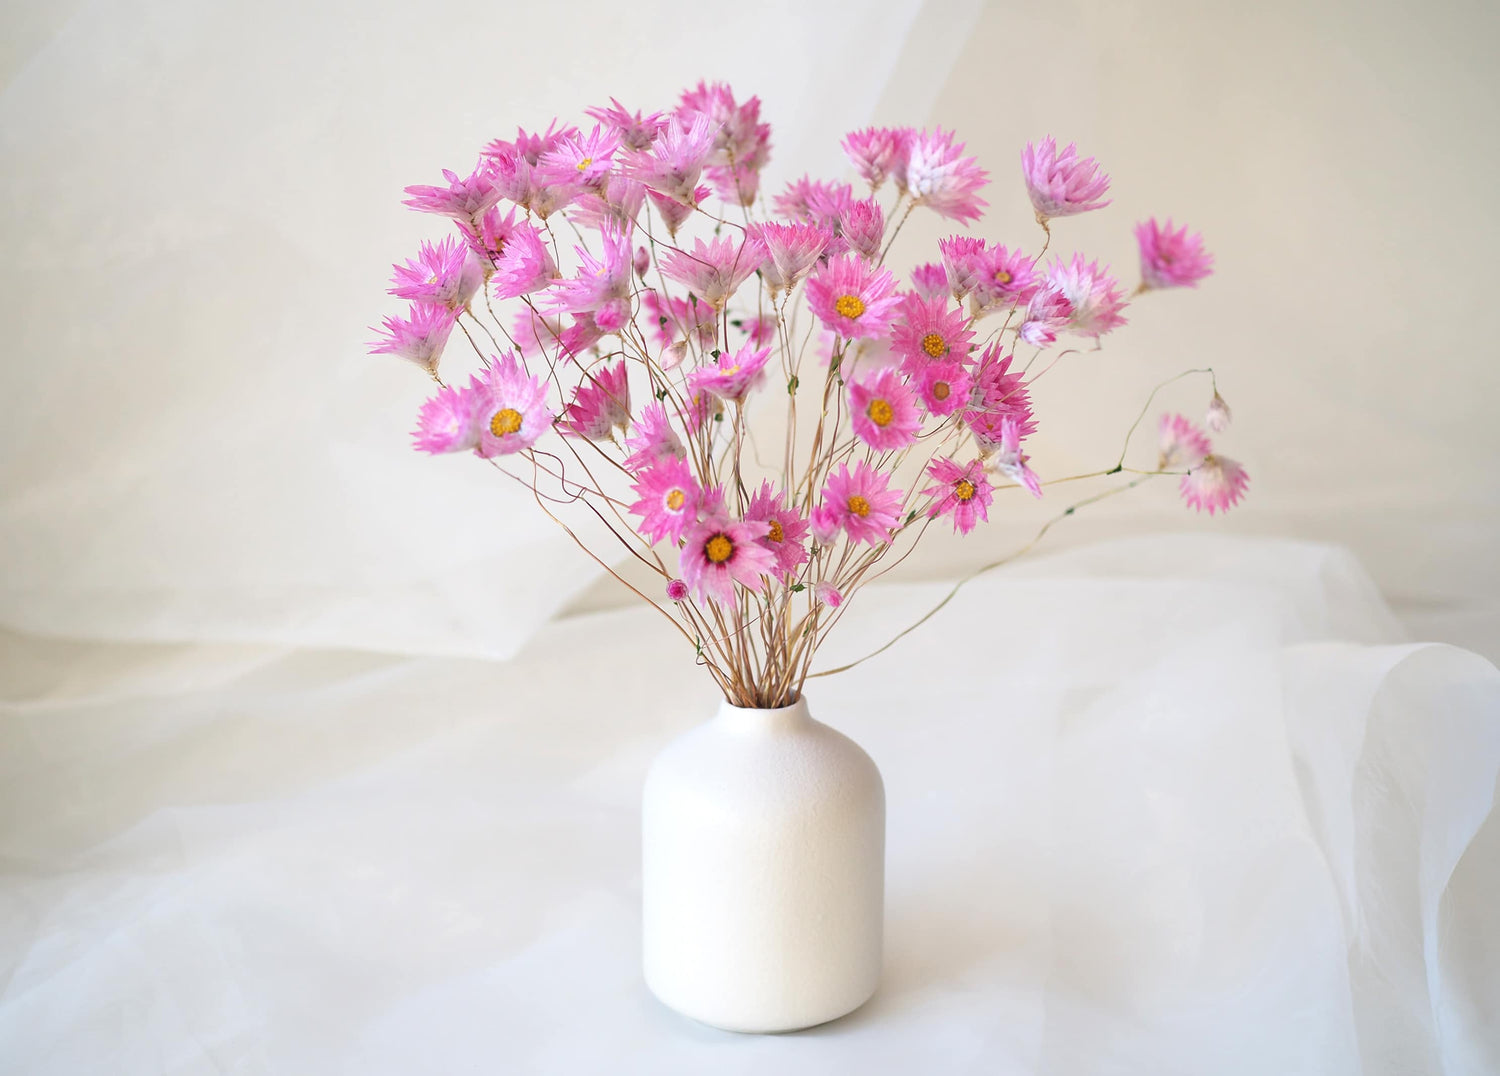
(1180, 444)
(787, 528)
(855, 299)
(583, 159)
(488, 238)
(859, 503)
(944, 387)
(1095, 295)
(512, 410)
(863, 227)
(962, 492)
(583, 333)
(1011, 461)
(713, 270)
(1060, 184)
(742, 144)
(464, 198)
(1171, 258)
(670, 499)
(718, 553)
(761, 329)
(1219, 414)
(930, 280)
(515, 168)
(793, 249)
(883, 411)
(602, 286)
(876, 152)
(1217, 484)
(612, 206)
(419, 337)
(525, 265)
(652, 439)
(963, 262)
(1005, 278)
(675, 213)
(930, 331)
(814, 201)
(677, 591)
(443, 273)
(636, 131)
(698, 409)
(448, 422)
(677, 319)
(671, 165)
(642, 262)
(535, 334)
(1046, 314)
(600, 404)
(937, 175)
(734, 375)
(828, 594)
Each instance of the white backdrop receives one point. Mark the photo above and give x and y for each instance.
(202, 203)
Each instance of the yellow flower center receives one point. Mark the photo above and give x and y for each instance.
(776, 534)
(583, 165)
(1002, 276)
(940, 390)
(675, 499)
(964, 491)
(859, 506)
(935, 346)
(719, 548)
(880, 413)
(506, 420)
(849, 306)
(729, 372)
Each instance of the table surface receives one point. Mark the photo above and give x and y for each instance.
(1175, 805)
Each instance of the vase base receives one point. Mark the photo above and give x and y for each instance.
(745, 1025)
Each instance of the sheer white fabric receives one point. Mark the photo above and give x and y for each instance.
(1161, 806)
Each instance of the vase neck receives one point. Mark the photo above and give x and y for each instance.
(751, 721)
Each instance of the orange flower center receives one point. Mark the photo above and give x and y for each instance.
(941, 390)
(776, 534)
(859, 506)
(849, 306)
(934, 345)
(719, 548)
(964, 491)
(506, 420)
(880, 412)
(1002, 276)
(675, 499)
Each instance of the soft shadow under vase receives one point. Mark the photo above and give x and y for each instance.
(763, 872)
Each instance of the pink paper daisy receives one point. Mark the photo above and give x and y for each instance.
(859, 503)
(583, 159)
(963, 262)
(997, 395)
(675, 214)
(854, 299)
(1171, 258)
(1095, 296)
(1046, 314)
(761, 329)
(448, 422)
(863, 227)
(930, 280)
(944, 387)
(602, 286)
(787, 528)
(718, 553)
(734, 375)
(525, 266)
(793, 249)
(713, 270)
(1219, 415)
(512, 410)
(1181, 445)
(814, 201)
(677, 591)
(1005, 278)
(445, 273)
(828, 594)
(937, 175)
(883, 411)
(600, 404)
(1060, 184)
(612, 206)
(676, 319)
(464, 198)
(652, 439)
(742, 144)
(419, 337)
(636, 131)
(670, 499)
(1217, 484)
(962, 492)
(488, 238)
(1011, 461)
(930, 331)
(671, 165)
(876, 152)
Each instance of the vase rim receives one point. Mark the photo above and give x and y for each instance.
(799, 702)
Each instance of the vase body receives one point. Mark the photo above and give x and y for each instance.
(763, 872)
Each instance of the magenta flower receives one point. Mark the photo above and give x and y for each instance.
(930, 280)
(671, 165)
(713, 270)
(854, 299)
(883, 411)
(1011, 461)
(1095, 295)
(827, 594)
(733, 376)
(488, 238)
(761, 329)
(670, 499)
(963, 262)
(676, 319)
(876, 152)
(1171, 258)
(793, 249)
(464, 198)
(419, 337)
(652, 439)
(1046, 314)
(787, 528)
(581, 159)
(930, 331)
(718, 553)
(512, 408)
(1217, 484)
(937, 175)
(962, 492)
(1180, 444)
(1004, 278)
(863, 227)
(514, 168)
(611, 206)
(445, 274)
(525, 265)
(677, 591)
(675, 213)
(534, 334)
(997, 395)
(600, 404)
(636, 131)
(944, 387)
(814, 201)
(1060, 184)
(448, 422)
(602, 286)
(742, 144)
(859, 503)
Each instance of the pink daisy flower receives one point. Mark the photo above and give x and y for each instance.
(876, 152)
(1004, 278)
(734, 376)
(854, 299)
(512, 408)
(963, 262)
(1217, 484)
(930, 331)
(814, 201)
(937, 175)
(652, 439)
(488, 238)
(997, 395)
(1046, 314)
(445, 274)
(464, 198)
(676, 319)
(718, 553)
(787, 529)
(612, 206)
(1219, 415)
(636, 131)
(1095, 296)
(515, 169)
(930, 280)
(828, 594)
(742, 144)
(674, 213)
(713, 270)
(419, 337)
(671, 165)
(962, 492)
(1180, 444)
(670, 499)
(525, 266)
(535, 334)
(677, 591)
(600, 404)
(863, 227)
(859, 503)
(1171, 258)
(793, 249)
(1060, 184)
(602, 286)
(1011, 461)
(448, 422)
(761, 329)
(883, 411)
(583, 159)
(944, 387)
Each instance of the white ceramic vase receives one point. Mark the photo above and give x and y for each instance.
(763, 871)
